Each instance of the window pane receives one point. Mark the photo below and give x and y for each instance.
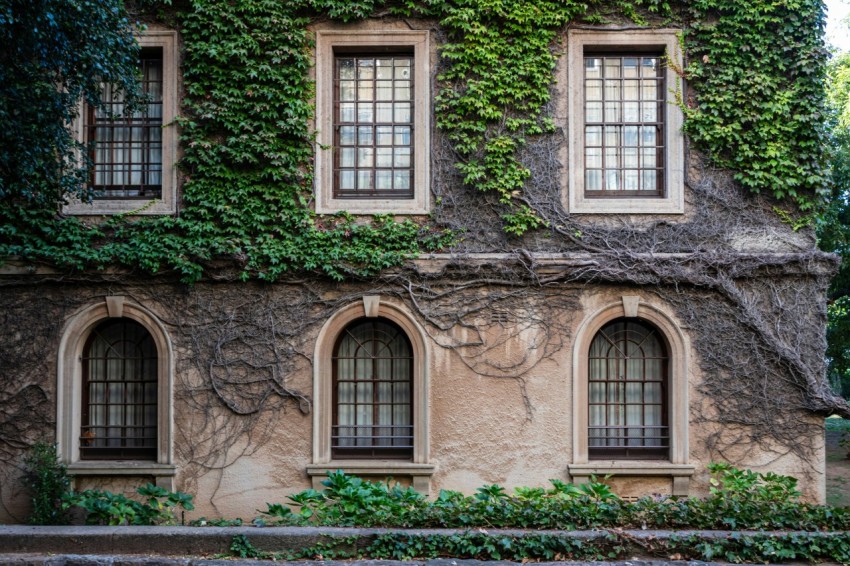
(629, 113)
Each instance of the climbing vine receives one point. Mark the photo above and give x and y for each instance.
(755, 107)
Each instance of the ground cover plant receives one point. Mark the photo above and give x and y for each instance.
(739, 500)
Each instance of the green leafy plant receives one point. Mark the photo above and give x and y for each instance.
(107, 508)
(47, 480)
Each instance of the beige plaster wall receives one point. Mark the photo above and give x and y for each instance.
(482, 429)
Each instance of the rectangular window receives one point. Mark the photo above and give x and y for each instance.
(134, 156)
(126, 150)
(626, 150)
(372, 118)
(623, 126)
(373, 126)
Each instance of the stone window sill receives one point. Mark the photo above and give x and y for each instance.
(163, 474)
(681, 473)
(420, 474)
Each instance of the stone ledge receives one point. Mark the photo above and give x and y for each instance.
(420, 474)
(205, 541)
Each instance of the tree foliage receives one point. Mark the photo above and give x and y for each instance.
(53, 53)
(834, 227)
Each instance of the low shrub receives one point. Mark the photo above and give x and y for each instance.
(46, 479)
(738, 499)
(107, 508)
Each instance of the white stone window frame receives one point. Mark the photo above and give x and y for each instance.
(664, 41)
(327, 44)
(166, 204)
(677, 466)
(419, 469)
(69, 385)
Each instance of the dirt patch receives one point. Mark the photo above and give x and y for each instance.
(837, 469)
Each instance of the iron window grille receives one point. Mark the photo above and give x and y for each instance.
(624, 114)
(373, 99)
(627, 397)
(126, 148)
(372, 392)
(119, 397)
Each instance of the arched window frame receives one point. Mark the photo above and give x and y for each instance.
(75, 336)
(419, 469)
(373, 451)
(677, 465)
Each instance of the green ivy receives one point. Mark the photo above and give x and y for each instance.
(755, 106)
(757, 70)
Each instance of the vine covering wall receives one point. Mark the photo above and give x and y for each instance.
(747, 288)
(754, 106)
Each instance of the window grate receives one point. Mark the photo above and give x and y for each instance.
(126, 149)
(373, 126)
(624, 126)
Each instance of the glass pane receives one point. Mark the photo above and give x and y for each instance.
(402, 69)
(593, 90)
(612, 90)
(364, 135)
(402, 135)
(593, 180)
(364, 180)
(383, 179)
(593, 157)
(631, 112)
(384, 157)
(593, 112)
(630, 90)
(384, 112)
(631, 180)
(630, 67)
(612, 67)
(647, 135)
(630, 157)
(649, 90)
(650, 66)
(612, 180)
(649, 112)
(383, 135)
(648, 157)
(612, 157)
(402, 157)
(365, 69)
(364, 157)
(346, 68)
(402, 90)
(649, 181)
(612, 135)
(365, 90)
(346, 135)
(346, 157)
(593, 135)
(402, 112)
(346, 90)
(612, 111)
(365, 112)
(384, 90)
(384, 68)
(401, 180)
(346, 180)
(592, 67)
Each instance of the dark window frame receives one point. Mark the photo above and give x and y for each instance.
(660, 124)
(94, 446)
(660, 432)
(103, 130)
(337, 123)
(402, 451)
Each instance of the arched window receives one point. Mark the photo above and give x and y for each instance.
(627, 392)
(372, 392)
(119, 393)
